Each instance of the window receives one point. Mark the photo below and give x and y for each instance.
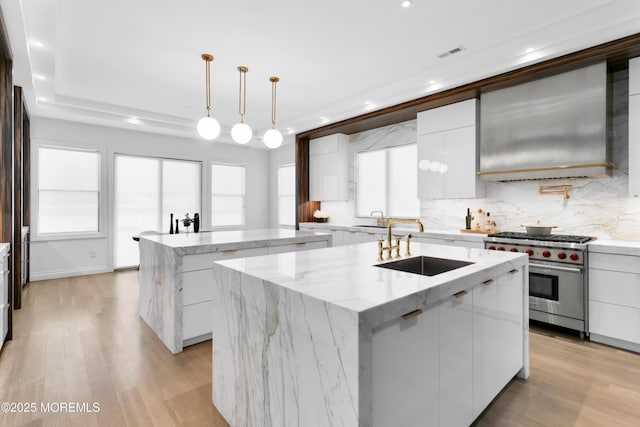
(227, 195)
(388, 180)
(68, 190)
(147, 191)
(287, 195)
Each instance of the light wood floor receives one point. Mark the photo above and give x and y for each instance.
(81, 340)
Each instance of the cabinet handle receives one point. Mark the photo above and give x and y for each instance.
(488, 282)
(514, 271)
(301, 243)
(449, 240)
(460, 294)
(229, 251)
(411, 314)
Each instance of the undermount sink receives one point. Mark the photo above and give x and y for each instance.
(424, 265)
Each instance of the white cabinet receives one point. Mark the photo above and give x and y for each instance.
(456, 370)
(405, 358)
(634, 76)
(328, 167)
(614, 300)
(497, 336)
(448, 152)
(445, 365)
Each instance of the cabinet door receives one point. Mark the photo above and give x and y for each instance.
(449, 117)
(485, 343)
(406, 371)
(430, 153)
(328, 168)
(510, 340)
(634, 145)
(351, 237)
(295, 247)
(456, 329)
(634, 76)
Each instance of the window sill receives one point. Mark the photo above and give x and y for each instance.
(66, 236)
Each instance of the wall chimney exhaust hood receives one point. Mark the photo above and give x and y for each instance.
(555, 127)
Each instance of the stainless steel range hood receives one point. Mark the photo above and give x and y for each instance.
(554, 127)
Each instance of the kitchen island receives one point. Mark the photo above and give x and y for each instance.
(326, 337)
(176, 275)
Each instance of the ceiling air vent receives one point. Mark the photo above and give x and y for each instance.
(451, 52)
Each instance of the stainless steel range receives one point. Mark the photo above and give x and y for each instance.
(557, 275)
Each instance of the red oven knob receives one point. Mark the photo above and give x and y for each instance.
(529, 252)
(492, 248)
(574, 257)
(562, 255)
(546, 254)
(513, 250)
(500, 248)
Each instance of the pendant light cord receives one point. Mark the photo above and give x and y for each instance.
(274, 80)
(207, 59)
(242, 92)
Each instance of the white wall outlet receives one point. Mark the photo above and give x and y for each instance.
(92, 253)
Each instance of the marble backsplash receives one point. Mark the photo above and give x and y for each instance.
(598, 207)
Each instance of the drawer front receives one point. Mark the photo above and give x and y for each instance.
(614, 321)
(204, 261)
(5, 264)
(197, 320)
(614, 262)
(197, 286)
(614, 287)
(302, 246)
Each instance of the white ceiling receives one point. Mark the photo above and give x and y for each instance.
(105, 62)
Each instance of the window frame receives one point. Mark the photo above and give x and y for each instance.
(102, 193)
(241, 226)
(384, 208)
(287, 165)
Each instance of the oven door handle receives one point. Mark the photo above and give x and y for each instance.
(557, 268)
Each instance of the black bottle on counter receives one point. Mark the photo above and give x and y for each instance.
(196, 222)
(177, 230)
(171, 224)
(468, 220)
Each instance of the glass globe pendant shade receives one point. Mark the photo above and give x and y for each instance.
(241, 133)
(273, 138)
(208, 128)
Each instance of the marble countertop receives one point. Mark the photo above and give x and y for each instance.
(347, 276)
(619, 247)
(213, 241)
(436, 234)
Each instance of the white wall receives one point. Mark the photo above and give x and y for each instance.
(284, 155)
(53, 258)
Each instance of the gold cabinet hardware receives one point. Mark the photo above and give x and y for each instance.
(411, 314)
(460, 294)
(514, 271)
(488, 282)
(301, 243)
(229, 251)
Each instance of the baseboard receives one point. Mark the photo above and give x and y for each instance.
(59, 274)
(614, 342)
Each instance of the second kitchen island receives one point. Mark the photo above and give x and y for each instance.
(176, 275)
(327, 337)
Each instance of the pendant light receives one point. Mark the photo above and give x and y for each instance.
(241, 132)
(208, 127)
(272, 137)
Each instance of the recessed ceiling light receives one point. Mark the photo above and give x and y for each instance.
(290, 131)
(36, 43)
(406, 3)
(41, 99)
(528, 50)
(133, 120)
(324, 120)
(39, 77)
(431, 82)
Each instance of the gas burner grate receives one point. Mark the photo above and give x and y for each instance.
(541, 237)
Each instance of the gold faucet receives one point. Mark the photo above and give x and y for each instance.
(390, 247)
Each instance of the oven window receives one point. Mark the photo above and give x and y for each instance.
(543, 286)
